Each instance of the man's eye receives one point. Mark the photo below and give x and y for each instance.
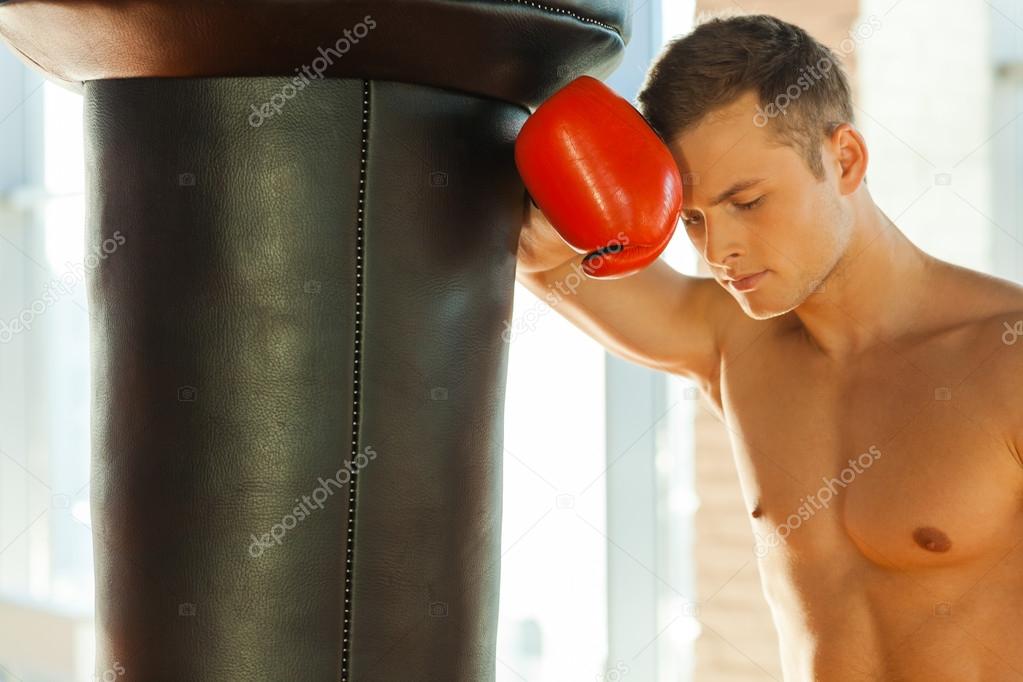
(690, 221)
(751, 205)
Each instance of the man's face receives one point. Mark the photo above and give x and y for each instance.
(786, 223)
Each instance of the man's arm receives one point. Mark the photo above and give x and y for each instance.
(658, 317)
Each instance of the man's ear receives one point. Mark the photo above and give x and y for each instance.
(852, 157)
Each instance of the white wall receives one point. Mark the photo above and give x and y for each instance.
(1006, 18)
(925, 108)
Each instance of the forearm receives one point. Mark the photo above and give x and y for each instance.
(539, 280)
(542, 250)
(655, 318)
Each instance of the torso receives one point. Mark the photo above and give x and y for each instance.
(910, 567)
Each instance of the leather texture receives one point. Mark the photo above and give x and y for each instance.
(519, 51)
(262, 316)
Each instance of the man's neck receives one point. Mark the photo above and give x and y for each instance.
(873, 294)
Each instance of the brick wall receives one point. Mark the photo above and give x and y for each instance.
(738, 642)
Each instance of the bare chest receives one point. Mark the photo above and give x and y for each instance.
(900, 456)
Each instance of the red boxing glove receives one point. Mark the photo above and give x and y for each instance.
(601, 176)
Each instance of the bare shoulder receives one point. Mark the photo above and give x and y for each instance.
(990, 293)
(959, 303)
(979, 302)
(988, 323)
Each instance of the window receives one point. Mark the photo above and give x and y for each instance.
(46, 581)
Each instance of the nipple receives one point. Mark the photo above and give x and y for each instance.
(932, 539)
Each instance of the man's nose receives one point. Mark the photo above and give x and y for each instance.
(724, 240)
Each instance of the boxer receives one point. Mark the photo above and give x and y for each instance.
(871, 390)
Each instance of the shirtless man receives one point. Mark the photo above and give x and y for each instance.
(870, 390)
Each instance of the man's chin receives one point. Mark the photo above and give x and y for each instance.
(758, 306)
(758, 314)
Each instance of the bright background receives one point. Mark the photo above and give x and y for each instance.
(625, 555)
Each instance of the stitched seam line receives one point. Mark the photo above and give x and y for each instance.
(346, 630)
(566, 12)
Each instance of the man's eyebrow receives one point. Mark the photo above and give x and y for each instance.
(735, 189)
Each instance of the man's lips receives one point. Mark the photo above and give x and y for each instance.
(746, 282)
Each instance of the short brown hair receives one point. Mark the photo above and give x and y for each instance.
(725, 57)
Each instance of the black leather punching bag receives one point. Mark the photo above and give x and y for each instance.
(298, 369)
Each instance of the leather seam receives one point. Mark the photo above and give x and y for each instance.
(346, 628)
(560, 10)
